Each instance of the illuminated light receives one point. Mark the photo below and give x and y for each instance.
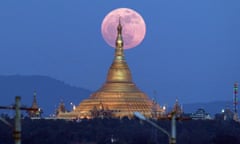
(222, 110)
(74, 107)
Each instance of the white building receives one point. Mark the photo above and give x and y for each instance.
(200, 114)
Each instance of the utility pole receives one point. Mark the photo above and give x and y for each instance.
(17, 126)
(173, 126)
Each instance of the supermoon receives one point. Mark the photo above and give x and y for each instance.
(133, 27)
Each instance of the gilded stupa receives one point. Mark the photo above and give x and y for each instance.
(34, 113)
(119, 96)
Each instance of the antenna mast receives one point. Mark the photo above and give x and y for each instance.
(235, 101)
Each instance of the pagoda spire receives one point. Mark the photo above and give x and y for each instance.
(119, 55)
(119, 71)
(34, 104)
(33, 113)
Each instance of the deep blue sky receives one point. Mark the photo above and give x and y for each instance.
(191, 49)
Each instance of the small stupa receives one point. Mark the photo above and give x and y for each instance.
(34, 113)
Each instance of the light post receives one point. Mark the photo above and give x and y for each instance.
(73, 106)
(172, 137)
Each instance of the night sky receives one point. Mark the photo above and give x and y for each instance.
(191, 49)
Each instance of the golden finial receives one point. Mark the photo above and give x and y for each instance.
(119, 40)
(119, 28)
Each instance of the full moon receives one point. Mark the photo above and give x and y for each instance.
(134, 27)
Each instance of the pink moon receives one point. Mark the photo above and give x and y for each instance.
(134, 27)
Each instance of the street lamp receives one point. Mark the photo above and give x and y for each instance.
(172, 137)
(73, 106)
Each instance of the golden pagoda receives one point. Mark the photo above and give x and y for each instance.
(119, 96)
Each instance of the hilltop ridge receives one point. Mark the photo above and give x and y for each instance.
(49, 91)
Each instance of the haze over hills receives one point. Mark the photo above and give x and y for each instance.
(49, 92)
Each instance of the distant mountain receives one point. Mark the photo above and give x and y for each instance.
(210, 107)
(49, 92)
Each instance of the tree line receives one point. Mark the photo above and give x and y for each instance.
(121, 131)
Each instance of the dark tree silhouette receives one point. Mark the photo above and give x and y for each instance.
(121, 131)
